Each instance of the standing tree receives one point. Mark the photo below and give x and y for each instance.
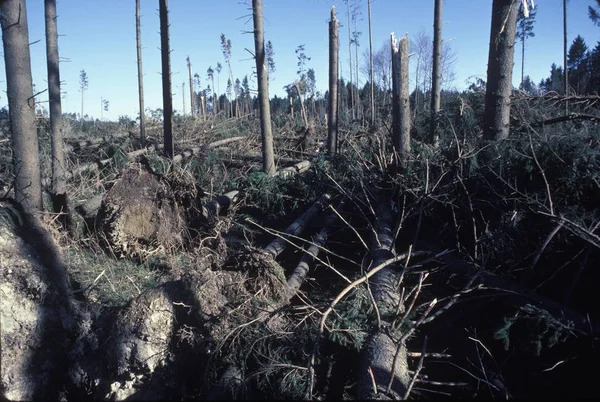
(83, 86)
(400, 100)
(565, 69)
(165, 50)
(496, 115)
(371, 74)
(355, 41)
(138, 37)
(436, 71)
(263, 89)
(21, 107)
(352, 102)
(226, 49)
(210, 74)
(577, 64)
(270, 55)
(218, 69)
(191, 79)
(183, 96)
(524, 31)
(59, 181)
(332, 107)
(594, 81)
(595, 13)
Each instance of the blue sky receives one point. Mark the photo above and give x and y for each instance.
(98, 36)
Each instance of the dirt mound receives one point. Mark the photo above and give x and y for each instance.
(34, 315)
(140, 215)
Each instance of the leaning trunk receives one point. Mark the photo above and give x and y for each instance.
(21, 104)
(263, 89)
(166, 78)
(496, 116)
(59, 191)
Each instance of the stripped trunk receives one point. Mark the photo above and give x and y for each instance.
(565, 68)
(496, 116)
(59, 181)
(166, 78)
(263, 89)
(21, 104)
(138, 36)
(371, 73)
(436, 79)
(400, 101)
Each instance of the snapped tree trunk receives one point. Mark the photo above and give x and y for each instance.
(138, 37)
(165, 49)
(496, 116)
(21, 104)
(436, 79)
(332, 106)
(263, 89)
(59, 180)
(400, 101)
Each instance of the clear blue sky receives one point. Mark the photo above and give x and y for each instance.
(98, 36)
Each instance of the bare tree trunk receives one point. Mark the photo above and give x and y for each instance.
(192, 98)
(496, 116)
(59, 181)
(183, 96)
(352, 101)
(436, 79)
(357, 98)
(166, 78)
(302, 108)
(400, 99)
(371, 73)
(332, 107)
(21, 104)
(565, 67)
(263, 89)
(138, 36)
(404, 102)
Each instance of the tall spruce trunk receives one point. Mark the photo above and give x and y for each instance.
(496, 116)
(59, 180)
(263, 89)
(138, 37)
(21, 104)
(192, 98)
(436, 79)
(332, 106)
(165, 49)
(371, 72)
(352, 101)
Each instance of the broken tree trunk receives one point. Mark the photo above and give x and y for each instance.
(277, 246)
(400, 99)
(294, 170)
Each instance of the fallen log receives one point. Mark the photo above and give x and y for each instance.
(211, 210)
(297, 278)
(293, 170)
(196, 150)
(377, 356)
(277, 246)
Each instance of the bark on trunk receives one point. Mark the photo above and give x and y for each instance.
(371, 72)
(332, 107)
(191, 80)
(21, 104)
(59, 181)
(277, 246)
(379, 350)
(496, 116)
(165, 49)
(436, 79)
(138, 37)
(400, 101)
(263, 89)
